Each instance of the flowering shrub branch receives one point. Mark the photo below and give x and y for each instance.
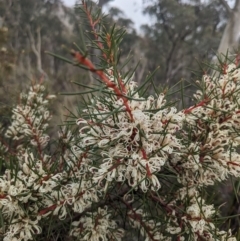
(137, 165)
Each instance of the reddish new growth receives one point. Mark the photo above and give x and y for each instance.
(149, 174)
(237, 60)
(48, 209)
(93, 24)
(54, 206)
(189, 110)
(108, 57)
(87, 63)
(119, 91)
(144, 154)
(229, 117)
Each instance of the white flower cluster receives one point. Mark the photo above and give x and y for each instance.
(198, 215)
(197, 220)
(97, 226)
(149, 228)
(126, 141)
(132, 150)
(212, 127)
(39, 188)
(193, 220)
(34, 194)
(31, 116)
(16, 192)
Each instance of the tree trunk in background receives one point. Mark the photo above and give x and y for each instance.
(231, 35)
(36, 45)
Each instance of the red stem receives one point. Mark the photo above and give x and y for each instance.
(52, 207)
(86, 62)
(189, 110)
(92, 25)
(100, 45)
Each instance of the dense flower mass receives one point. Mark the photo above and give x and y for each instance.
(131, 143)
(213, 125)
(132, 150)
(31, 116)
(97, 226)
(131, 166)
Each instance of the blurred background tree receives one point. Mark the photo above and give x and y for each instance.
(180, 35)
(182, 32)
(33, 27)
(231, 36)
(183, 35)
(28, 29)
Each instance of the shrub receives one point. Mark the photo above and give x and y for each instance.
(138, 167)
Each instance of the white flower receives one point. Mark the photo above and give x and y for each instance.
(173, 230)
(22, 229)
(97, 226)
